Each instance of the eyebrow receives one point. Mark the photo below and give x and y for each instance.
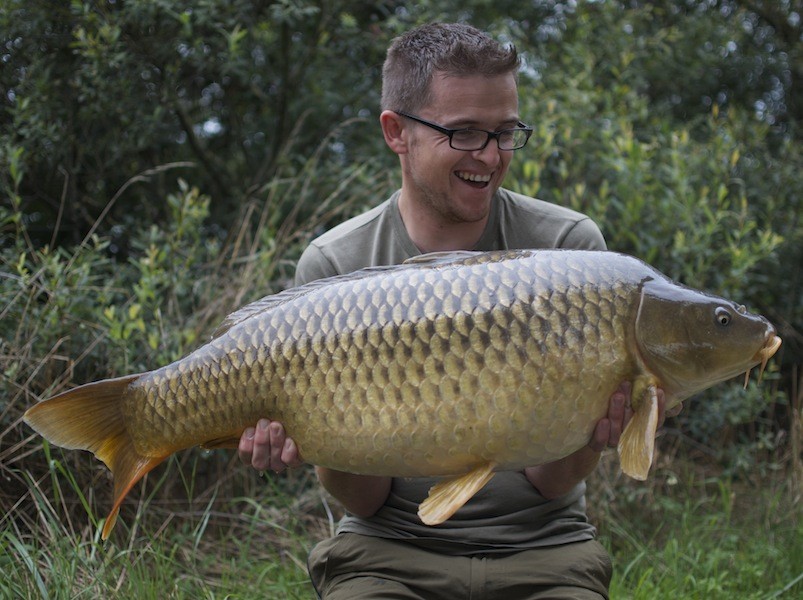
(471, 124)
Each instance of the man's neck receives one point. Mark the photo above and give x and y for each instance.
(431, 233)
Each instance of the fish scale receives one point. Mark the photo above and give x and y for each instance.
(449, 365)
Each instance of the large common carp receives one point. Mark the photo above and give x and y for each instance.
(452, 364)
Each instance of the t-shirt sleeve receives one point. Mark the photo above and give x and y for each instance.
(313, 265)
(585, 235)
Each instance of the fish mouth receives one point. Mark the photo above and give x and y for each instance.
(764, 353)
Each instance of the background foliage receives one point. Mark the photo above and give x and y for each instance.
(162, 163)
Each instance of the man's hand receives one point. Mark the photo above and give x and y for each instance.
(266, 447)
(609, 429)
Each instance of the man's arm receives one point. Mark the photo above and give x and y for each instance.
(361, 495)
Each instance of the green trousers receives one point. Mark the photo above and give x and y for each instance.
(357, 567)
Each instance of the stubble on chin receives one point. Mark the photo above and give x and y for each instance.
(449, 211)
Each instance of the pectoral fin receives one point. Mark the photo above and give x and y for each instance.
(448, 496)
(637, 444)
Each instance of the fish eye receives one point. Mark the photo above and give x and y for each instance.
(722, 316)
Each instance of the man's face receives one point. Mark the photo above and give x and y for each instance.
(456, 186)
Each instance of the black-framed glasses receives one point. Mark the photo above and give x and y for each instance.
(471, 140)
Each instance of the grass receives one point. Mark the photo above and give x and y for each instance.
(693, 535)
(702, 554)
(209, 546)
(679, 535)
(168, 566)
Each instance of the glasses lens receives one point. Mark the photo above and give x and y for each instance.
(512, 139)
(476, 139)
(469, 139)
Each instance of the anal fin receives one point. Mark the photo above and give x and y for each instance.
(128, 470)
(448, 496)
(637, 444)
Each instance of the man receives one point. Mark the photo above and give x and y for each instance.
(450, 112)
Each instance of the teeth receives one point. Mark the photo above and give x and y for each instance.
(473, 177)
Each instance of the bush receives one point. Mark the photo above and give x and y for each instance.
(74, 315)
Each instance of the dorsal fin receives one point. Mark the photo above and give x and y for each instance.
(267, 303)
(429, 260)
(465, 257)
(435, 259)
(254, 308)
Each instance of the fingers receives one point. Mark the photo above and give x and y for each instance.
(661, 406)
(617, 411)
(675, 410)
(290, 455)
(609, 429)
(266, 455)
(663, 412)
(599, 439)
(266, 447)
(274, 442)
(246, 446)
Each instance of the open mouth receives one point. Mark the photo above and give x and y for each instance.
(473, 179)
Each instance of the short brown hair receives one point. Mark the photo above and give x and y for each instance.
(452, 48)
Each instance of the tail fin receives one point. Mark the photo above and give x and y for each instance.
(89, 417)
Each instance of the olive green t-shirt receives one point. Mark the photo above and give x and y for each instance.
(508, 514)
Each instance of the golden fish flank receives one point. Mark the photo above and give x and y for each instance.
(451, 364)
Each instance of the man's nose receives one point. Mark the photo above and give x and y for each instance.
(490, 155)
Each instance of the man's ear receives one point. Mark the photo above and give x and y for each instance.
(394, 131)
